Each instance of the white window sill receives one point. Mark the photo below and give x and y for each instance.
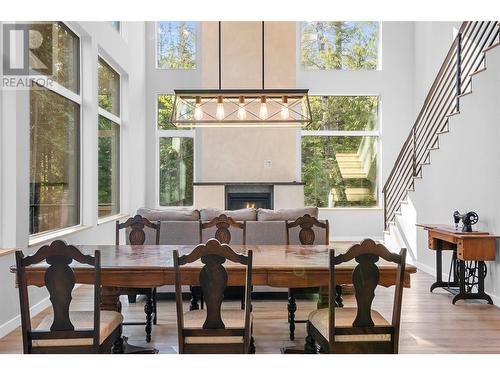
(4, 252)
(42, 238)
(107, 219)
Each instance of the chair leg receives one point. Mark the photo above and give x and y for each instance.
(242, 299)
(292, 307)
(310, 345)
(155, 311)
(132, 298)
(148, 309)
(251, 349)
(194, 298)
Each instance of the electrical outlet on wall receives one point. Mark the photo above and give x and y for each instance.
(268, 164)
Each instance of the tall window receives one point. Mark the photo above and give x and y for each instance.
(176, 45)
(55, 136)
(339, 152)
(109, 140)
(176, 152)
(339, 45)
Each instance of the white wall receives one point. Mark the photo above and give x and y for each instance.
(125, 53)
(432, 40)
(464, 173)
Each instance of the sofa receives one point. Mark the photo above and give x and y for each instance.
(263, 226)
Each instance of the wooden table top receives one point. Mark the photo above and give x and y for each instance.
(274, 265)
(451, 230)
(264, 256)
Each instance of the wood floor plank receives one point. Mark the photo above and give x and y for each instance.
(430, 323)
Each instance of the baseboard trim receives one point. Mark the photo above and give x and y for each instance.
(432, 271)
(15, 322)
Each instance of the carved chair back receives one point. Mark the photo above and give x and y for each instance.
(365, 278)
(223, 223)
(213, 281)
(307, 235)
(137, 235)
(59, 281)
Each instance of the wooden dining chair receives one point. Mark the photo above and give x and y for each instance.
(65, 331)
(214, 330)
(223, 223)
(137, 236)
(306, 236)
(359, 329)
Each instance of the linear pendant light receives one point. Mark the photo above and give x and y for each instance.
(241, 108)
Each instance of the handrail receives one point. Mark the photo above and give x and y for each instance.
(443, 99)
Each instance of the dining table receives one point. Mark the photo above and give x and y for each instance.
(151, 266)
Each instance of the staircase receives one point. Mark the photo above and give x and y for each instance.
(465, 58)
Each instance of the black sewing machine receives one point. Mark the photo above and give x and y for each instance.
(468, 220)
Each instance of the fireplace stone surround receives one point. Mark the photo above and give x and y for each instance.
(277, 194)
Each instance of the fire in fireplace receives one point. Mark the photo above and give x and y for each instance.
(249, 196)
(235, 201)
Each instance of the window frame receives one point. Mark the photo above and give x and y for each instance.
(77, 98)
(170, 133)
(197, 45)
(302, 69)
(117, 120)
(346, 133)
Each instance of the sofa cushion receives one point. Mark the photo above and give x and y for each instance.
(169, 214)
(285, 213)
(244, 214)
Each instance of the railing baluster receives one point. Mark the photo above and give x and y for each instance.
(459, 70)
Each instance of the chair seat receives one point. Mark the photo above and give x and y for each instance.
(232, 319)
(82, 320)
(344, 316)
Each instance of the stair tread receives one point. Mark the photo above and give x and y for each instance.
(494, 45)
(478, 71)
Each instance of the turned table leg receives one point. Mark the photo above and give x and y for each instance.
(110, 301)
(149, 309)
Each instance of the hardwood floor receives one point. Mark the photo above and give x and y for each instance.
(430, 323)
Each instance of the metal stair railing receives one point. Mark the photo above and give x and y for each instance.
(465, 57)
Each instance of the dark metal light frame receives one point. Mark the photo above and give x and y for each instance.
(297, 103)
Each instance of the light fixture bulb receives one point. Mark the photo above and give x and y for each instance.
(263, 113)
(198, 112)
(242, 113)
(285, 112)
(220, 109)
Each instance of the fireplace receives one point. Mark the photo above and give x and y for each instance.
(249, 196)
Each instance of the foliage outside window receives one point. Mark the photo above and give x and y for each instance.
(339, 45)
(176, 171)
(62, 52)
(176, 45)
(176, 164)
(108, 140)
(55, 137)
(339, 152)
(109, 88)
(165, 107)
